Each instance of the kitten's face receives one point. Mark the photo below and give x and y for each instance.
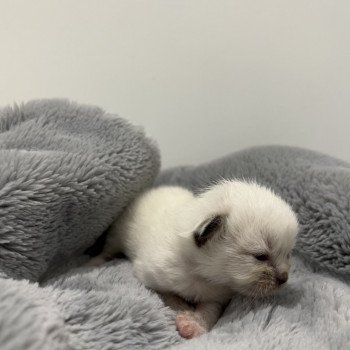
(258, 255)
(247, 247)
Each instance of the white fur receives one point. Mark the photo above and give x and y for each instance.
(156, 233)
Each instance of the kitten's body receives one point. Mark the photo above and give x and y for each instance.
(146, 233)
(205, 248)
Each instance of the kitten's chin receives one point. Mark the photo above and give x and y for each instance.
(259, 293)
(259, 290)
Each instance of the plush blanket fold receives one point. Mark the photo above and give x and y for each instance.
(67, 171)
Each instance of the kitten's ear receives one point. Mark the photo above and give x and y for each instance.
(207, 229)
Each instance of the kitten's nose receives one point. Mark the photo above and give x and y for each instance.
(282, 278)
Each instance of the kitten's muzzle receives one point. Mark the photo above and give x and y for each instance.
(282, 278)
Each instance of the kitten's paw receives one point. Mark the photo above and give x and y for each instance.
(187, 325)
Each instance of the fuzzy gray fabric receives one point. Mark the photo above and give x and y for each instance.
(107, 308)
(67, 170)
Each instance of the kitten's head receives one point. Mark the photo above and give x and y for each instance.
(242, 235)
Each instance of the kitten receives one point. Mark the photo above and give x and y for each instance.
(236, 237)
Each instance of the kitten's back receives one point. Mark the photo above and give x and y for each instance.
(148, 220)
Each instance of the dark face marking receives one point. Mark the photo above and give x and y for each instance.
(207, 231)
(282, 278)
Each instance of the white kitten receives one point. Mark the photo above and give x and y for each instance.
(234, 238)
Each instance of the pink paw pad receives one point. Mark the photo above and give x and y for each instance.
(187, 325)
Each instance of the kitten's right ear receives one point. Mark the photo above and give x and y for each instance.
(207, 230)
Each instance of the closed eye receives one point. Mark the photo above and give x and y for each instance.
(261, 257)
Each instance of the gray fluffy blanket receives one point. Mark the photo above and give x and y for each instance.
(66, 173)
(68, 170)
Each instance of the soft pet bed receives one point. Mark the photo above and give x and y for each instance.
(68, 170)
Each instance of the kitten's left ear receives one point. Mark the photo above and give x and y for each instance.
(207, 229)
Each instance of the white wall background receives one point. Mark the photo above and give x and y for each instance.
(204, 77)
